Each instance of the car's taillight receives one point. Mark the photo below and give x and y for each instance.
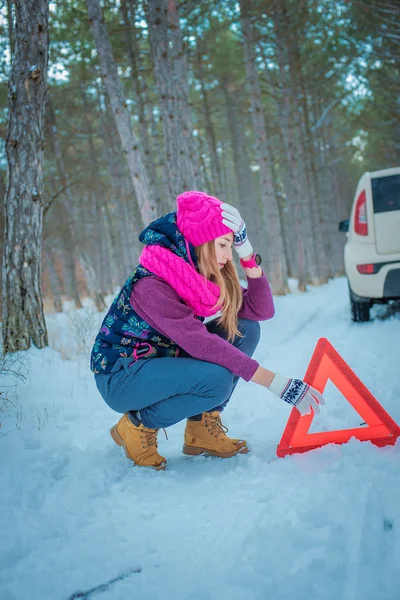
(368, 269)
(360, 219)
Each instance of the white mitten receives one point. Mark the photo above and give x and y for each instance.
(232, 219)
(298, 393)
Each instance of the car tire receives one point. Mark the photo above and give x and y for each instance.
(360, 308)
(360, 311)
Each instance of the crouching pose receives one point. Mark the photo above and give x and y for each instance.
(154, 358)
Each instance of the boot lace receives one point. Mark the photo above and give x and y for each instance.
(150, 437)
(217, 428)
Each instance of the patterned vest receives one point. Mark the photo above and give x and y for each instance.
(123, 333)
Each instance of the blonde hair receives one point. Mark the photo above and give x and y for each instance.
(227, 279)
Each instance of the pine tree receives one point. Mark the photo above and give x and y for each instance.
(23, 317)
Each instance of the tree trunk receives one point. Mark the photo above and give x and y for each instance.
(129, 220)
(10, 23)
(209, 127)
(239, 149)
(57, 227)
(316, 231)
(239, 183)
(181, 170)
(99, 247)
(67, 258)
(291, 169)
(105, 220)
(130, 145)
(128, 8)
(92, 285)
(277, 265)
(23, 316)
(330, 197)
(179, 60)
(54, 281)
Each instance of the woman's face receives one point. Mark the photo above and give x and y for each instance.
(223, 249)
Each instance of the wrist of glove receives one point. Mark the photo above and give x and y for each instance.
(298, 393)
(232, 219)
(245, 249)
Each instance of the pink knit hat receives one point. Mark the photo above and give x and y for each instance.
(199, 217)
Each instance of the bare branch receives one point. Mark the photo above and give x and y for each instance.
(325, 112)
(60, 191)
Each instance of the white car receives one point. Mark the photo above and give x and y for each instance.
(372, 251)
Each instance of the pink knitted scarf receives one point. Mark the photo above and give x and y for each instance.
(194, 289)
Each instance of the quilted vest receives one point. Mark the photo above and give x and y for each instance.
(123, 333)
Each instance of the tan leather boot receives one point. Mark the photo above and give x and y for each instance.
(139, 443)
(242, 444)
(208, 436)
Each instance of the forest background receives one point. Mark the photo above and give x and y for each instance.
(275, 106)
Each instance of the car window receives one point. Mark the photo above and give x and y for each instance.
(386, 193)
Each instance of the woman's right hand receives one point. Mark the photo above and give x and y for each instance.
(231, 218)
(298, 393)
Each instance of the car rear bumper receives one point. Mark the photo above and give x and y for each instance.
(383, 284)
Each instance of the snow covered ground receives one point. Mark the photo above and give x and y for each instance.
(77, 520)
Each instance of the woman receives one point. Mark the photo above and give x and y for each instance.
(155, 360)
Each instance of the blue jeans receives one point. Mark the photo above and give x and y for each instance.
(167, 390)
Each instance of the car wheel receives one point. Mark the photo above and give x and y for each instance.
(360, 307)
(360, 311)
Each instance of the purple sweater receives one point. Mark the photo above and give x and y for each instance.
(157, 303)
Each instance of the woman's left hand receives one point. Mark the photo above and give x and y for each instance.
(232, 219)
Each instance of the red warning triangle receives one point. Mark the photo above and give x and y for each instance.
(326, 364)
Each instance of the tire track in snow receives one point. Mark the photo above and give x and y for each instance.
(351, 587)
